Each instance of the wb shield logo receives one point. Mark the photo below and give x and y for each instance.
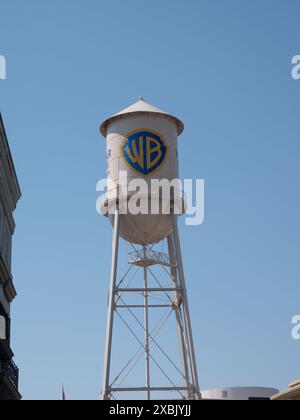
(144, 151)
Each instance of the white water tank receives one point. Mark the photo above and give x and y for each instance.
(142, 144)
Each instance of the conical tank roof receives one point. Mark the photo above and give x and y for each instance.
(141, 107)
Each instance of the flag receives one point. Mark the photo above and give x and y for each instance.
(63, 394)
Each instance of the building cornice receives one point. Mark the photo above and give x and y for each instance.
(6, 280)
(12, 170)
(292, 393)
(9, 186)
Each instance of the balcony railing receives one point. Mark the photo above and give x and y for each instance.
(10, 372)
(148, 258)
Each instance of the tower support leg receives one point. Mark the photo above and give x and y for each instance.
(177, 308)
(147, 332)
(105, 394)
(186, 312)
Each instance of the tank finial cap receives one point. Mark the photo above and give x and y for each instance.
(141, 98)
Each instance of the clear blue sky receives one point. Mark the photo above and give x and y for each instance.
(224, 68)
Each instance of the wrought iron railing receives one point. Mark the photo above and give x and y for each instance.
(150, 255)
(10, 372)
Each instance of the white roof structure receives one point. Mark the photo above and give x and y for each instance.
(141, 107)
(239, 393)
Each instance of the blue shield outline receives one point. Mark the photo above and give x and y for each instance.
(144, 151)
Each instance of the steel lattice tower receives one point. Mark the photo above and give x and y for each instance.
(176, 294)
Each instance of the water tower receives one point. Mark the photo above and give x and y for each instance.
(142, 145)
